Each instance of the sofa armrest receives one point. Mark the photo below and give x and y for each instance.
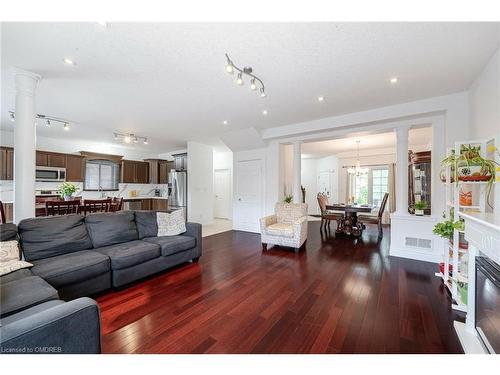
(72, 327)
(194, 230)
(268, 220)
(300, 228)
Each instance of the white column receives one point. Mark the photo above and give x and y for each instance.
(24, 145)
(402, 171)
(297, 192)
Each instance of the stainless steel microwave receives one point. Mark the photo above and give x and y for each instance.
(53, 174)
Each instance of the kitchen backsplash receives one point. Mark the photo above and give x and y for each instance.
(7, 190)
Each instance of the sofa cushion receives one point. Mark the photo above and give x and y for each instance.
(23, 293)
(71, 268)
(51, 236)
(282, 230)
(31, 311)
(147, 225)
(16, 275)
(129, 254)
(173, 244)
(111, 228)
(8, 232)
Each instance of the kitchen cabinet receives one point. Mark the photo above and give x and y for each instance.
(6, 163)
(159, 170)
(75, 168)
(135, 172)
(50, 159)
(180, 162)
(147, 204)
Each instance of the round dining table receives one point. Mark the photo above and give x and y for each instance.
(350, 224)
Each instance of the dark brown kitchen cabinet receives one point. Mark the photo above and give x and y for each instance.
(6, 163)
(42, 159)
(135, 172)
(50, 159)
(74, 168)
(180, 162)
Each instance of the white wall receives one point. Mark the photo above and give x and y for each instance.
(484, 101)
(200, 183)
(309, 177)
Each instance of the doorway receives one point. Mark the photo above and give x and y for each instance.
(248, 195)
(222, 193)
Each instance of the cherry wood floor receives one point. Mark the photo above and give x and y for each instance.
(338, 295)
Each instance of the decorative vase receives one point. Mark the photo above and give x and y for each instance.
(68, 197)
(419, 212)
(472, 173)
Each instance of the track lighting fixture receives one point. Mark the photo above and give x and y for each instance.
(255, 81)
(47, 120)
(239, 81)
(130, 138)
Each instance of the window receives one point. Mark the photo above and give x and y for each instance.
(370, 188)
(101, 175)
(379, 184)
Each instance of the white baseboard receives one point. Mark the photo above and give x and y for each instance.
(414, 254)
(471, 344)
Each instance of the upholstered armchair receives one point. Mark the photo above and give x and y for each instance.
(287, 227)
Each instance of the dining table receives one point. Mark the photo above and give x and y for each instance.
(350, 224)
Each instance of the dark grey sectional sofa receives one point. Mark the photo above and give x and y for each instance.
(75, 256)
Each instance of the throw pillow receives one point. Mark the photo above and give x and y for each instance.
(9, 258)
(170, 224)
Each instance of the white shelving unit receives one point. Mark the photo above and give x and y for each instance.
(453, 254)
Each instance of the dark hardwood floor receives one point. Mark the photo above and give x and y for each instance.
(338, 295)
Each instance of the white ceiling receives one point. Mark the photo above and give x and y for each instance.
(167, 81)
(418, 139)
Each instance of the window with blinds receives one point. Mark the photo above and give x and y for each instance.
(101, 175)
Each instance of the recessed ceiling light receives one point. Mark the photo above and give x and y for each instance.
(393, 80)
(224, 122)
(321, 98)
(264, 112)
(68, 61)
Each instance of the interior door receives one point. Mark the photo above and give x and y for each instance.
(222, 193)
(248, 195)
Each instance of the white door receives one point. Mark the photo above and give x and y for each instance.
(222, 192)
(248, 196)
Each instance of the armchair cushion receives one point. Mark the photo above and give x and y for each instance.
(288, 213)
(283, 230)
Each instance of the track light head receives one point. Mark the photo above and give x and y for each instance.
(145, 141)
(262, 93)
(229, 68)
(239, 81)
(127, 139)
(47, 123)
(12, 117)
(66, 126)
(253, 86)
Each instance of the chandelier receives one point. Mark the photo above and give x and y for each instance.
(255, 82)
(357, 169)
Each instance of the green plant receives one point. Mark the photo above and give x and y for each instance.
(67, 189)
(445, 228)
(288, 199)
(422, 205)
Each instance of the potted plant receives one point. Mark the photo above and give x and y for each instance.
(67, 190)
(419, 207)
(445, 229)
(288, 199)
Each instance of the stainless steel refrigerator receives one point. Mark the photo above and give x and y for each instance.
(178, 191)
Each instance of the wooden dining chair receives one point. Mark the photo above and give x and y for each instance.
(327, 216)
(3, 220)
(95, 205)
(116, 204)
(372, 219)
(55, 208)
